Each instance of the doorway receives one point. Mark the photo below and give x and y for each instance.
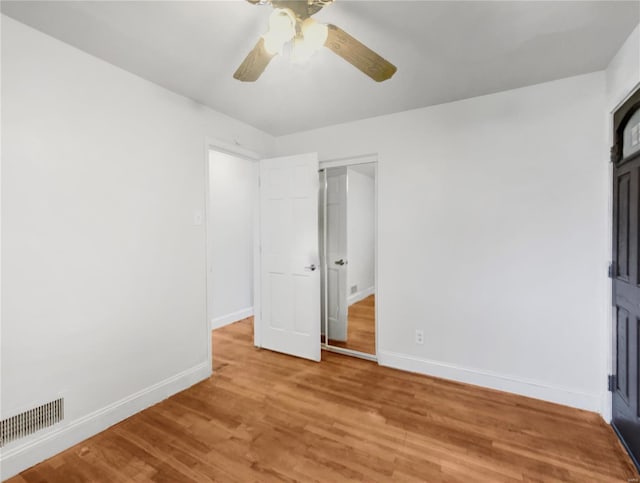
(284, 270)
(231, 239)
(625, 274)
(231, 219)
(347, 208)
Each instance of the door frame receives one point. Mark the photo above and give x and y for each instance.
(610, 349)
(239, 151)
(345, 162)
(617, 118)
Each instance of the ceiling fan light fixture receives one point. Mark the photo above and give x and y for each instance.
(314, 33)
(273, 44)
(291, 20)
(282, 23)
(282, 28)
(302, 51)
(312, 37)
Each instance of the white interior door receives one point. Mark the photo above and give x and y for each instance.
(290, 274)
(336, 239)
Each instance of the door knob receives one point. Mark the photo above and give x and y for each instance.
(342, 261)
(311, 267)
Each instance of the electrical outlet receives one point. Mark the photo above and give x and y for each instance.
(419, 336)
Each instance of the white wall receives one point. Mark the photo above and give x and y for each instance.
(232, 189)
(103, 269)
(360, 234)
(492, 226)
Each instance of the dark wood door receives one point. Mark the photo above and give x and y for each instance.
(626, 275)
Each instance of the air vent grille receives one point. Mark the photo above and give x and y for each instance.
(30, 421)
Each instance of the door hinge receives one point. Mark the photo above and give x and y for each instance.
(612, 382)
(611, 270)
(615, 153)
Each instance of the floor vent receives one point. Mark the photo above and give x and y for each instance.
(30, 421)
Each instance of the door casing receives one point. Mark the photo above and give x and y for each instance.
(619, 116)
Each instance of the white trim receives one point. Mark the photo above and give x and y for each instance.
(323, 256)
(14, 460)
(349, 352)
(625, 98)
(351, 161)
(609, 309)
(376, 276)
(231, 318)
(257, 262)
(207, 249)
(361, 295)
(560, 395)
(233, 149)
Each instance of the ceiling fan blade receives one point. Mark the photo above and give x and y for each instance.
(254, 63)
(358, 54)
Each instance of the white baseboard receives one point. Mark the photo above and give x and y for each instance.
(361, 295)
(533, 389)
(230, 318)
(19, 458)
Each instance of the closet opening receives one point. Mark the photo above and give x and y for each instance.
(348, 245)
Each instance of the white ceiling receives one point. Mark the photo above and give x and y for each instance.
(444, 51)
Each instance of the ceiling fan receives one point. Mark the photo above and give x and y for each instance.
(291, 21)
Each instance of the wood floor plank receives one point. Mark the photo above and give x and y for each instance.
(265, 416)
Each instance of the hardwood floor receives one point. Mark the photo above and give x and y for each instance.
(361, 335)
(264, 416)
